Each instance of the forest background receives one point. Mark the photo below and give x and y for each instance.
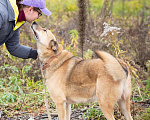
(120, 27)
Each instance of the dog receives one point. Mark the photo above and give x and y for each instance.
(70, 79)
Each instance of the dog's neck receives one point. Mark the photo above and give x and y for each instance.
(47, 64)
(42, 57)
(59, 60)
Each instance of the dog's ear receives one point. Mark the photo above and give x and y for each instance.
(53, 46)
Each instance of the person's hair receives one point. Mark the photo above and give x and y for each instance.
(21, 6)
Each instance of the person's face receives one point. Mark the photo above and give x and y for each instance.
(31, 14)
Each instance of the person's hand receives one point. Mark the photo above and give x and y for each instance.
(33, 54)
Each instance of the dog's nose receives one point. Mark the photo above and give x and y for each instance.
(34, 22)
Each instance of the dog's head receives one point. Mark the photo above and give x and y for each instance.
(46, 42)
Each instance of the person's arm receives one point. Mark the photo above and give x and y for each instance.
(2, 33)
(0, 21)
(21, 51)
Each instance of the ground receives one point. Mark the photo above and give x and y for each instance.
(137, 109)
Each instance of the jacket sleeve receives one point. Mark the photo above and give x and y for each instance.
(21, 51)
(0, 21)
(2, 34)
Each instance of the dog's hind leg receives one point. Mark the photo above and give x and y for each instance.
(106, 96)
(124, 104)
(124, 101)
(106, 106)
(68, 111)
(107, 110)
(61, 110)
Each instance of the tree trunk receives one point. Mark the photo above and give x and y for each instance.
(82, 23)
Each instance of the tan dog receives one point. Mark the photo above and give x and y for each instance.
(73, 80)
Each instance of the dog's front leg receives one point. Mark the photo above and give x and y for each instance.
(68, 111)
(61, 110)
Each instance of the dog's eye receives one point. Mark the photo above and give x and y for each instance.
(45, 30)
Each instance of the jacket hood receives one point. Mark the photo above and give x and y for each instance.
(13, 14)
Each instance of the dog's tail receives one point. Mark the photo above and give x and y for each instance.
(115, 67)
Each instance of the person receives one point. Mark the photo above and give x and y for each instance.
(13, 14)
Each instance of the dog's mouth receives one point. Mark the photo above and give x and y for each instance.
(34, 32)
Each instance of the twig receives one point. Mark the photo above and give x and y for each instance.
(139, 89)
